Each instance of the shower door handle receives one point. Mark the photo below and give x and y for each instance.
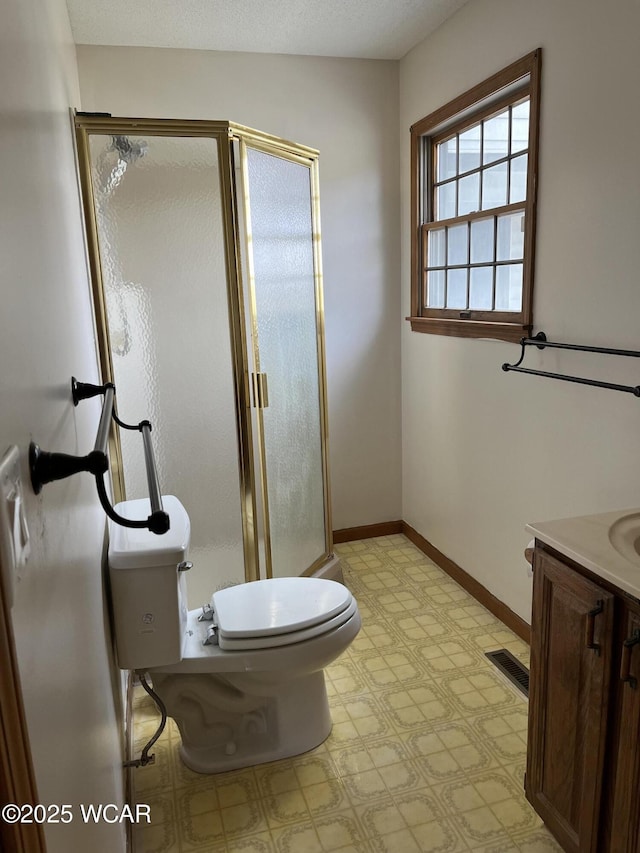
(260, 390)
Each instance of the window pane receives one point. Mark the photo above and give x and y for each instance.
(457, 289)
(457, 245)
(496, 137)
(471, 231)
(520, 127)
(446, 201)
(518, 188)
(509, 287)
(482, 240)
(481, 288)
(494, 186)
(469, 194)
(510, 245)
(469, 142)
(446, 158)
(436, 256)
(435, 289)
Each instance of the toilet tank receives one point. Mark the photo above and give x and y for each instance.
(148, 586)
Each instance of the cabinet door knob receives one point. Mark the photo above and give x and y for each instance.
(625, 663)
(591, 627)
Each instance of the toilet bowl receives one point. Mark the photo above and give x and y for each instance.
(243, 677)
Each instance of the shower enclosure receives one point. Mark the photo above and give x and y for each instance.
(204, 246)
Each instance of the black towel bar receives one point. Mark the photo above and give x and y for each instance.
(46, 467)
(540, 341)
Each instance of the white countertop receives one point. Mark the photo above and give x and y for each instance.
(585, 540)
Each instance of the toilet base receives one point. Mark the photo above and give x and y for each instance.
(268, 724)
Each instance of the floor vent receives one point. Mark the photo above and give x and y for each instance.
(510, 666)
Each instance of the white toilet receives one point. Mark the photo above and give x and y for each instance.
(243, 678)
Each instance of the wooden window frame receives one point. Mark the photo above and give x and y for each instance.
(520, 79)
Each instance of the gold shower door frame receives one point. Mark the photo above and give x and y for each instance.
(308, 157)
(225, 133)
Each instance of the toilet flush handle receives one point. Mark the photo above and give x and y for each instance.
(185, 565)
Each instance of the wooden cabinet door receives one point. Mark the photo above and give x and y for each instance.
(625, 824)
(571, 648)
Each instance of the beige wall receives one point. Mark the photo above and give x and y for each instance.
(484, 451)
(46, 337)
(348, 110)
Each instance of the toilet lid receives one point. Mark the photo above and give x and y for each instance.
(279, 611)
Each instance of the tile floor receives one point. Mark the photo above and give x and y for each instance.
(427, 750)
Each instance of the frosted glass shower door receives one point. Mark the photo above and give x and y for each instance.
(158, 211)
(286, 328)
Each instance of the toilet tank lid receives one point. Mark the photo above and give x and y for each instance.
(134, 548)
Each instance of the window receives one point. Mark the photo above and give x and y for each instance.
(474, 165)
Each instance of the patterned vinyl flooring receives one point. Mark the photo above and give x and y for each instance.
(427, 751)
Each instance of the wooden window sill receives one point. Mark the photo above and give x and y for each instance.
(511, 332)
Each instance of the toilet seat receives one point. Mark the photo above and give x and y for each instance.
(279, 611)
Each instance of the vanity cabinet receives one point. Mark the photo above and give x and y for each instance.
(625, 818)
(583, 759)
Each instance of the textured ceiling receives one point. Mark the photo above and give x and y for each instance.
(366, 29)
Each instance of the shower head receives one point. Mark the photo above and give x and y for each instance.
(129, 149)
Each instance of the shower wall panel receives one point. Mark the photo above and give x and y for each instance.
(164, 279)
